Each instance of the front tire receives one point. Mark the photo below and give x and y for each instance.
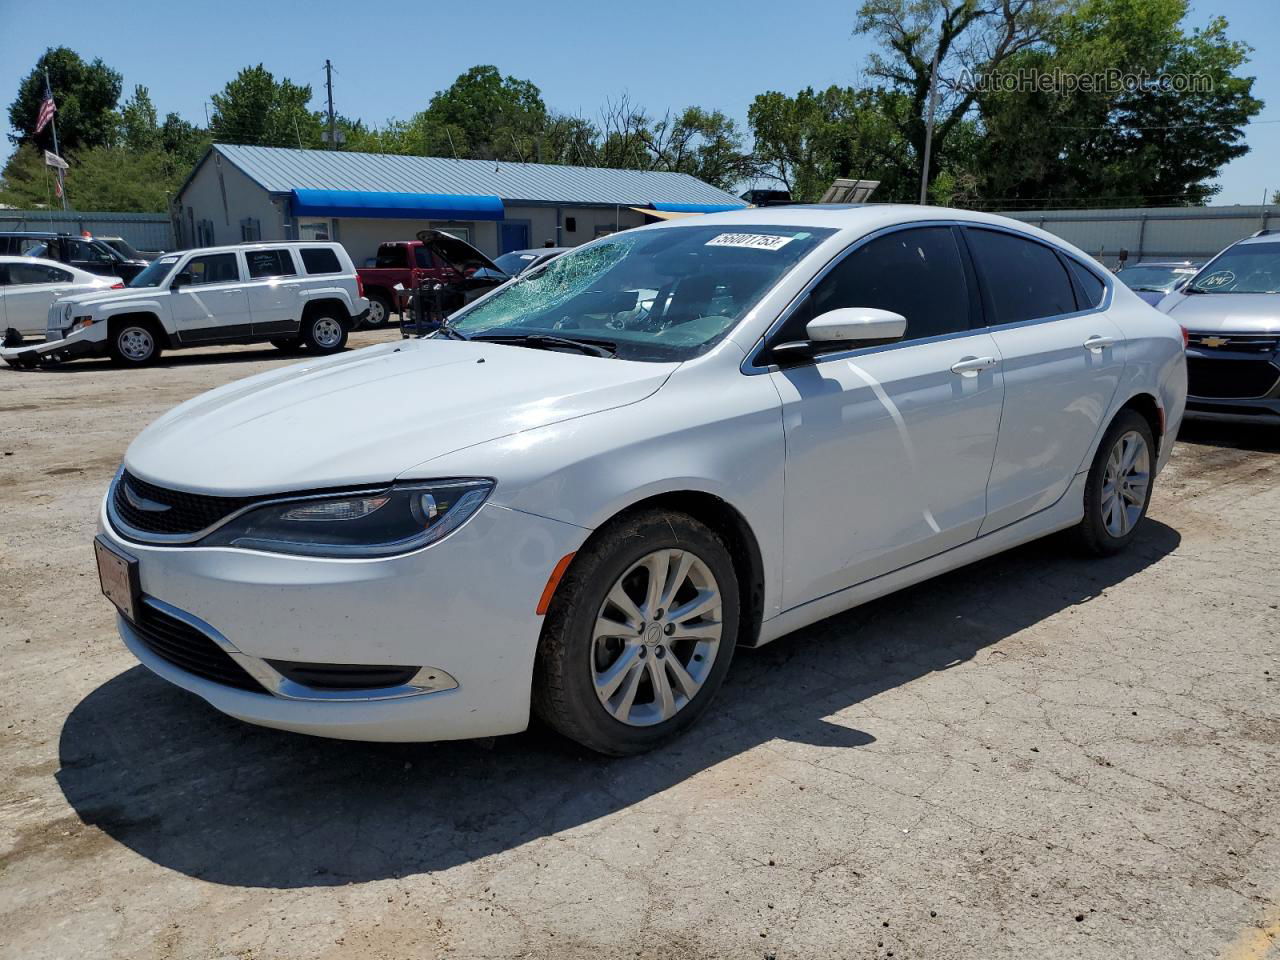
(133, 344)
(324, 332)
(639, 635)
(1118, 491)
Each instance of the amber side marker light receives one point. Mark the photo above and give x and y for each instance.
(553, 581)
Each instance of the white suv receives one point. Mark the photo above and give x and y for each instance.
(289, 294)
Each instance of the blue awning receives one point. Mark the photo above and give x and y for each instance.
(697, 207)
(379, 205)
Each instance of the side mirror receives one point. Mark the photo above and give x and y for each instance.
(859, 325)
(183, 279)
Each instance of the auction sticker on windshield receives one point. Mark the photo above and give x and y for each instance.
(753, 241)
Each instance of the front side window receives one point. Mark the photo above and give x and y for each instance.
(1025, 280)
(213, 268)
(663, 294)
(22, 273)
(1244, 268)
(269, 263)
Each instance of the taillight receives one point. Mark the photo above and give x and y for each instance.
(117, 286)
(359, 286)
(1186, 336)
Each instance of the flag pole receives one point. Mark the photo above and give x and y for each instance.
(53, 122)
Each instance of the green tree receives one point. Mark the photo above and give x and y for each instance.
(1135, 144)
(183, 142)
(969, 37)
(484, 115)
(257, 110)
(85, 93)
(139, 127)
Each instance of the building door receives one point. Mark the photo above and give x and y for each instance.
(513, 235)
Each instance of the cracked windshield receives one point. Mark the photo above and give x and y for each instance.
(662, 295)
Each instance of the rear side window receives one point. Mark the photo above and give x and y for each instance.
(320, 260)
(916, 272)
(20, 273)
(392, 255)
(1090, 285)
(269, 263)
(1025, 280)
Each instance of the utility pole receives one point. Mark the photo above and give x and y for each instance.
(928, 132)
(328, 82)
(53, 122)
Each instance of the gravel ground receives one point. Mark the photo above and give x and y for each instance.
(1038, 756)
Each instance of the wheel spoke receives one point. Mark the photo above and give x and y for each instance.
(618, 597)
(607, 683)
(688, 686)
(705, 601)
(663, 699)
(657, 564)
(676, 579)
(703, 630)
(623, 709)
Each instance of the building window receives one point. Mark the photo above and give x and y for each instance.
(314, 230)
(250, 230)
(571, 224)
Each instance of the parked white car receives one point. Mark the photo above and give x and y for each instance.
(29, 286)
(607, 474)
(289, 294)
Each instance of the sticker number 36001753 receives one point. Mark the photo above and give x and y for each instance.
(752, 241)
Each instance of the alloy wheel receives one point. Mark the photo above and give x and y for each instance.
(656, 637)
(377, 314)
(1125, 482)
(136, 343)
(327, 332)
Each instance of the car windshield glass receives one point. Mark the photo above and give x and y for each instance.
(1244, 268)
(1152, 278)
(122, 247)
(512, 263)
(668, 293)
(154, 275)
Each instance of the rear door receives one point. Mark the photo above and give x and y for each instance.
(273, 287)
(213, 307)
(30, 291)
(888, 446)
(1062, 358)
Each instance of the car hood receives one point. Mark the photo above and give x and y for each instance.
(455, 251)
(368, 416)
(106, 293)
(1224, 312)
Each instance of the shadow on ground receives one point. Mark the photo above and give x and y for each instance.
(189, 789)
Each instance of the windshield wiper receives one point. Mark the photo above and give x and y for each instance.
(450, 331)
(544, 341)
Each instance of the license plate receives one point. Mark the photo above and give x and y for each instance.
(118, 574)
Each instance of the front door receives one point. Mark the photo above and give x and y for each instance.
(213, 306)
(1062, 359)
(888, 446)
(513, 235)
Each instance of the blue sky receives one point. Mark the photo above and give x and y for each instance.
(390, 60)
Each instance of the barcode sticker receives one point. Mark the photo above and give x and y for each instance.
(752, 241)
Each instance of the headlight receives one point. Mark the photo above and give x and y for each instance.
(380, 523)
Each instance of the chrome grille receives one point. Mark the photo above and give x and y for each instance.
(147, 508)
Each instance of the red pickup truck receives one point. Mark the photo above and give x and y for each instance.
(435, 257)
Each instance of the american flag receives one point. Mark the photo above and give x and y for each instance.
(47, 110)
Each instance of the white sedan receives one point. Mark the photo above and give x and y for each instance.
(604, 477)
(29, 286)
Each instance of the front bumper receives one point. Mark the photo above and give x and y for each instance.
(1237, 380)
(465, 606)
(29, 356)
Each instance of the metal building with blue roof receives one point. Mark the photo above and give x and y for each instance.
(241, 193)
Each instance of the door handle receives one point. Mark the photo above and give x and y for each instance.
(972, 366)
(1098, 344)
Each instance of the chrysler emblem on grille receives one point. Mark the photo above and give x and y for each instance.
(142, 503)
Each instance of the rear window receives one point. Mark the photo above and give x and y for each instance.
(269, 263)
(1090, 284)
(320, 260)
(1025, 279)
(392, 255)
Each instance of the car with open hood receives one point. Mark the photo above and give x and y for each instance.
(609, 473)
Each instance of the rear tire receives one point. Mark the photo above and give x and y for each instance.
(1118, 490)
(133, 343)
(324, 332)
(379, 311)
(666, 582)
